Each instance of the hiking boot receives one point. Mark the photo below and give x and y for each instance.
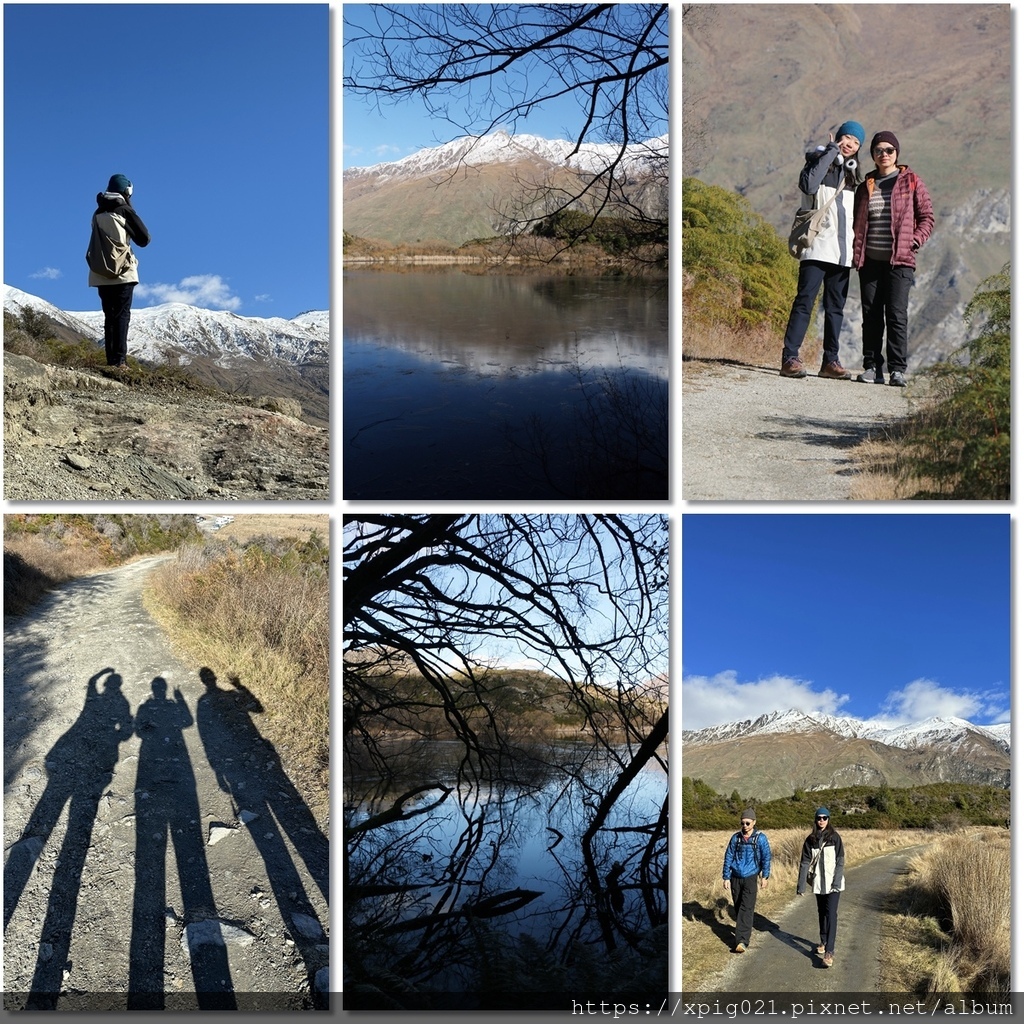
(820, 950)
(872, 375)
(740, 948)
(792, 368)
(834, 371)
(897, 380)
(827, 959)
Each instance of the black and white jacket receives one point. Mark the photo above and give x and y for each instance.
(824, 852)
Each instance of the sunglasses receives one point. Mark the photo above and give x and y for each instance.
(746, 823)
(821, 817)
(883, 151)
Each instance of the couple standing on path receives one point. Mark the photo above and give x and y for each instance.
(748, 857)
(878, 229)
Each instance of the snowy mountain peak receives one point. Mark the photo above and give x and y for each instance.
(501, 147)
(936, 730)
(218, 334)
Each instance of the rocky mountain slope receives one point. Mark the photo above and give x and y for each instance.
(251, 355)
(77, 435)
(764, 81)
(775, 754)
(471, 187)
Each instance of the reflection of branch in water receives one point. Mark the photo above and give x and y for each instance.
(397, 811)
(490, 906)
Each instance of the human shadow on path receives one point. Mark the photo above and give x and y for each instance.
(166, 801)
(80, 766)
(248, 768)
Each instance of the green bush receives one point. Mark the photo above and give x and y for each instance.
(962, 443)
(737, 271)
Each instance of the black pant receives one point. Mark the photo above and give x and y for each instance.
(885, 293)
(116, 300)
(744, 894)
(813, 274)
(828, 919)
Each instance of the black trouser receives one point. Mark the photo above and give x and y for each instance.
(885, 293)
(744, 894)
(116, 300)
(828, 919)
(813, 274)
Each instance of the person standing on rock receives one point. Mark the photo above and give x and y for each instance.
(748, 857)
(829, 178)
(113, 268)
(821, 867)
(892, 219)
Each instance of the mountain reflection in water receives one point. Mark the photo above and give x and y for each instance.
(500, 385)
(487, 890)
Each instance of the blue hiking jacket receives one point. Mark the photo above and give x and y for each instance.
(746, 858)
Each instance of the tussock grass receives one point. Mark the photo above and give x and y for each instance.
(948, 925)
(259, 612)
(707, 907)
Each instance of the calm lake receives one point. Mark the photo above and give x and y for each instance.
(464, 384)
(500, 867)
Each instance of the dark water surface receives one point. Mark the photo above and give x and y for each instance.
(467, 385)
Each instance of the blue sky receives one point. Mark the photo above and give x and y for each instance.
(388, 131)
(898, 617)
(218, 113)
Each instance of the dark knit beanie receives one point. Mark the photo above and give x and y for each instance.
(118, 183)
(885, 137)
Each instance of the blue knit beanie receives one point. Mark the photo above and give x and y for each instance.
(854, 128)
(119, 183)
(822, 812)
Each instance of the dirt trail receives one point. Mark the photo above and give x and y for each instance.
(154, 842)
(781, 957)
(751, 435)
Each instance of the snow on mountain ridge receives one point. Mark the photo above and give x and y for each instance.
(954, 731)
(218, 334)
(501, 147)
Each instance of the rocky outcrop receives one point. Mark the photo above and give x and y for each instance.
(77, 435)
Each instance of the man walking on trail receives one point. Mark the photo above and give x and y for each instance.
(113, 268)
(747, 857)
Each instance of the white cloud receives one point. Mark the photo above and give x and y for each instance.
(47, 274)
(715, 700)
(924, 698)
(264, 298)
(209, 291)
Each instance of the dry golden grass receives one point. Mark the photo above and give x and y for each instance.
(948, 926)
(707, 906)
(761, 346)
(247, 526)
(265, 620)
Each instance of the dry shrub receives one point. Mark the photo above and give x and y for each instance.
(751, 346)
(959, 892)
(261, 613)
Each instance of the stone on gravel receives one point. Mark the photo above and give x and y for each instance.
(219, 832)
(213, 932)
(308, 927)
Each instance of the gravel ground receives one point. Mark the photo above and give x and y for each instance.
(186, 872)
(751, 435)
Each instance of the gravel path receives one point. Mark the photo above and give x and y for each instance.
(781, 956)
(751, 435)
(157, 855)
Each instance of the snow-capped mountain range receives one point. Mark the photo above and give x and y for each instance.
(501, 147)
(951, 732)
(219, 335)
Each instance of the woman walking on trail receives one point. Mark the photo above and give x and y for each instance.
(821, 867)
(830, 176)
(892, 219)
